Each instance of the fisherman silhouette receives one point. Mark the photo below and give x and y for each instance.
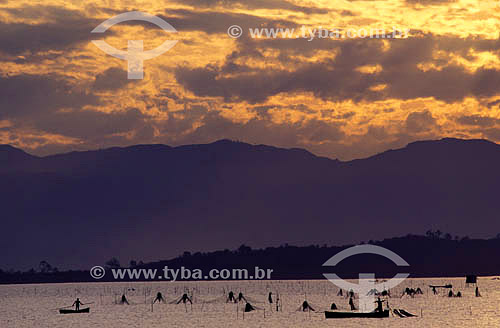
(411, 292)
(159, 298)
(351, 303)
(450, 294)
(124, 300)
(77, 304)
(333, 307)
(351, 293)
(270, 298)
(306, 307)
(477, 292)
(184, 299)
(434, 290)
(340, 293)
(379, 305)
(459, 294)
(230, 297)
(241, 297)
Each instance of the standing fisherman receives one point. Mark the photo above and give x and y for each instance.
(379, 305)
(159, 298)
(351, 304)
(306, 307)
(77, 304)
(124, 300)
(230, 297)
(241, 297)
(184, 299)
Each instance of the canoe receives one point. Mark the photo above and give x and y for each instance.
(343, 315)
(69, 311)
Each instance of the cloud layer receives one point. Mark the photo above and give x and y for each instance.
(340, 98)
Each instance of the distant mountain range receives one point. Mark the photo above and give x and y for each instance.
(152, 202)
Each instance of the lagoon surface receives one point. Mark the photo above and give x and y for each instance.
(28, 306)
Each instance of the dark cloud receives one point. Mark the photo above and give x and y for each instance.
(347, 13)
(111, 79)
(338, 78)
(33, 95)
(420, 122)
(493, 103)
(90, 125)
(477, 120)
(492, 134)
(450, 84)
(321, 131)
(429, 2)
(253, 4)
(218, 22)
(65, 29)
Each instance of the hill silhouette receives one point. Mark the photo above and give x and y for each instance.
(153, 202)
(432, 255)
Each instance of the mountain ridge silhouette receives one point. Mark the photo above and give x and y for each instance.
(153, 202)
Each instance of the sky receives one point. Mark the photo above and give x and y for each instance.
(337, 97)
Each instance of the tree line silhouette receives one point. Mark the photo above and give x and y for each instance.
(435, 254)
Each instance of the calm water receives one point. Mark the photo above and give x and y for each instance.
(35, 305)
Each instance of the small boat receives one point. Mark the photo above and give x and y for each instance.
(70, 311)
(343, 315)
